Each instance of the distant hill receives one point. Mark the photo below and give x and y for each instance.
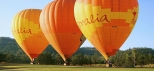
(11, 52)
(9, 45)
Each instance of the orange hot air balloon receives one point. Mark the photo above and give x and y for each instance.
(27, 32)
(106, 23)
(60, 29)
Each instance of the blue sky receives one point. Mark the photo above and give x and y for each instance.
(141, 36)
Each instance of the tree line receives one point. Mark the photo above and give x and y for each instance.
(10, 52)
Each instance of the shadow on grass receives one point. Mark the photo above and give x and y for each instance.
(7, 66)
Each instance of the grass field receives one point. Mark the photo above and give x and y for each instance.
(28, 67)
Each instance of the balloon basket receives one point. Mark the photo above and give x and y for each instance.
(66, 63)
(108, 64)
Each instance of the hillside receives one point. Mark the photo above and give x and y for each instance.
(10, 52)
(9, 45)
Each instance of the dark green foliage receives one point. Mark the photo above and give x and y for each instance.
(132, 57)
(96, 59)
(58, 59)
(11, 52)
(2, 58)
(45, 58)
(78, 59)
(87, 59)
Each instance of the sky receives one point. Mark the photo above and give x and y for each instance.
(141, 36)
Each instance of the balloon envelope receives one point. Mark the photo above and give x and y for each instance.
(60, 29)
(106, 23)
(27, 32)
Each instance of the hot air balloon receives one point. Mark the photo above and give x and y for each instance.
(27, 32)
(106, 23)
(60, 29)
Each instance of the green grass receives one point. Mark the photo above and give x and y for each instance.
(28, 67)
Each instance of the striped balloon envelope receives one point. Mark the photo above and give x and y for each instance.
(106, 23)
(27, 32)
(60, 29)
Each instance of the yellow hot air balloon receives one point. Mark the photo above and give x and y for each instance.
(60, 29)
(27, 32)
(106, 23)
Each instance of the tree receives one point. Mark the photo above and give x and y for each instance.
(134, 55)
(141, 60)
(87, 59)
(78, 59)
(58, 59)
(150, 58)
(119, 58)
(95, 58)
(2, 58)
(128, 61)
(45, 58)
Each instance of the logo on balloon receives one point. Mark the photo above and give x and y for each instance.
(23, 30)
(92, 20)
(134, 15)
